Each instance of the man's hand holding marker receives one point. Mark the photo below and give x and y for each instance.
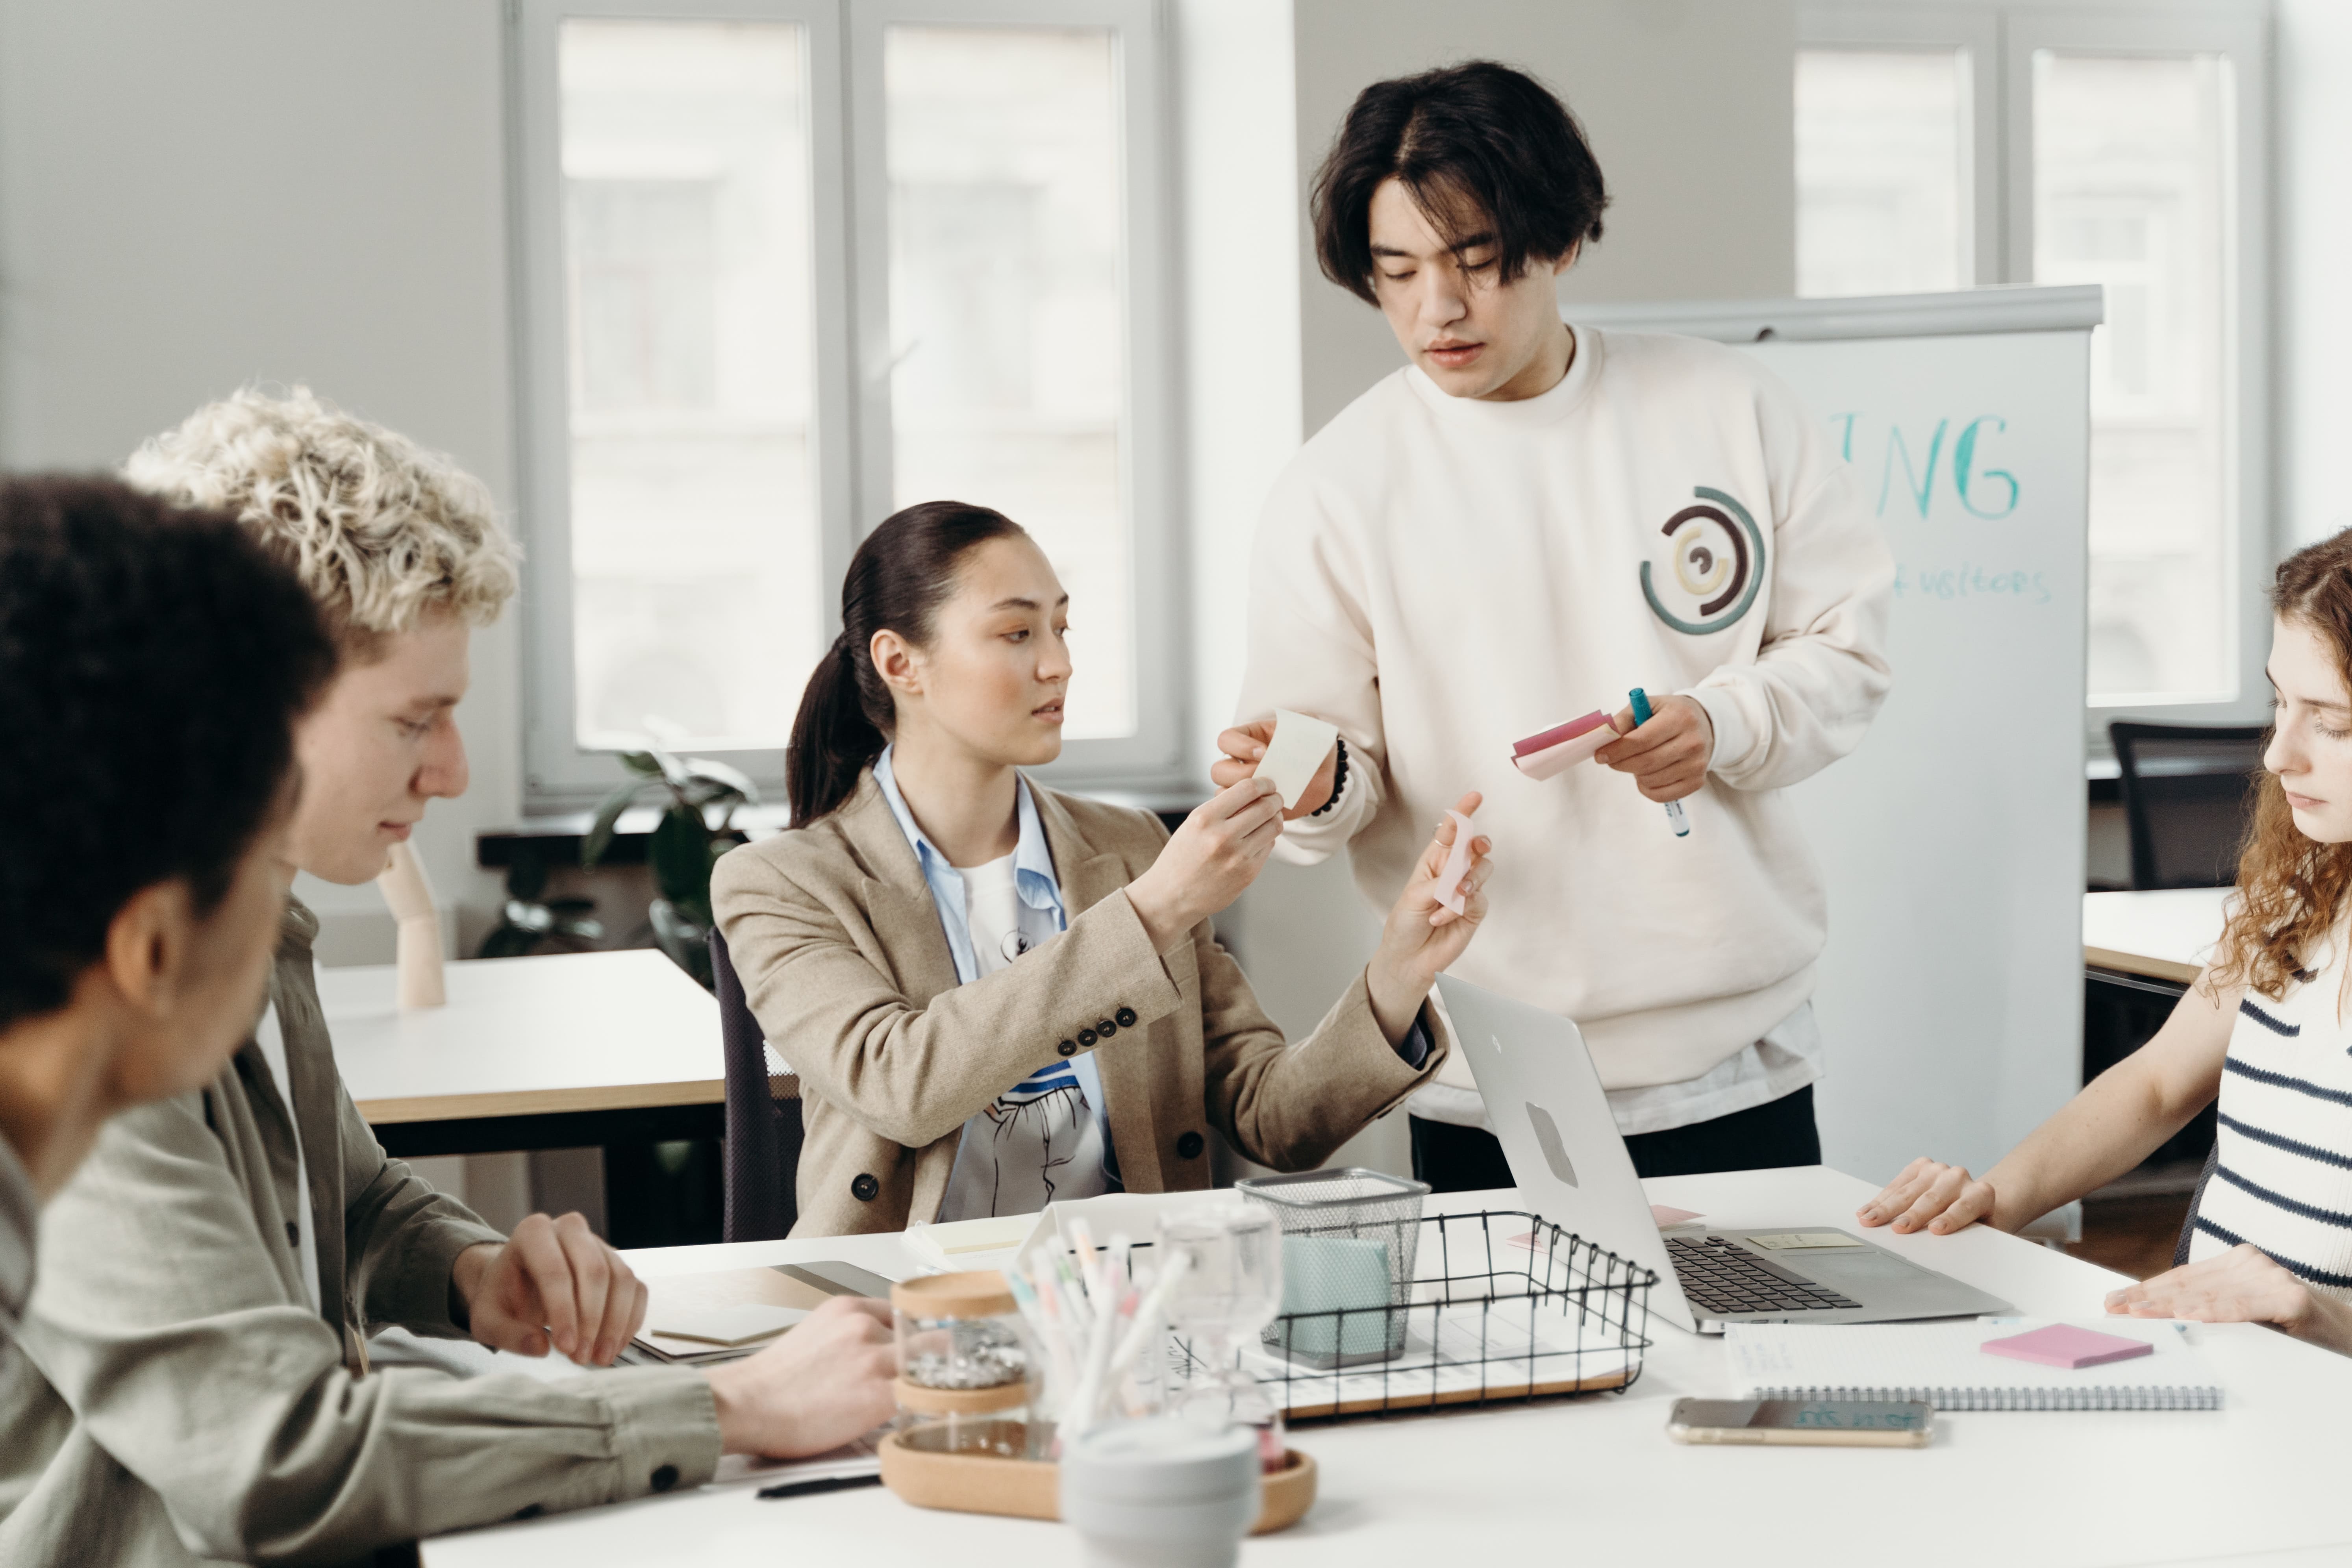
(1668, 756)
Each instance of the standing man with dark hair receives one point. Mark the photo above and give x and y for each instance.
(153, 664)
(1526, 522)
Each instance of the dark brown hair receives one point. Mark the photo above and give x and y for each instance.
(1481, 148)
(896, 581)
(152, 665)
(2291, 888)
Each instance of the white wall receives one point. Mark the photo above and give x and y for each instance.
(2315, 246)
(192, 197)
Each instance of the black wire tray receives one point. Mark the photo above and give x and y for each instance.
(1517, 1308)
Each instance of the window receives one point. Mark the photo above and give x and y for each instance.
(2133, 190)
(1004, 200)
(1883, 182)
(2121, 147)
(787, 266)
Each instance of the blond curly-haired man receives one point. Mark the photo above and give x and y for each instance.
(196, 1384)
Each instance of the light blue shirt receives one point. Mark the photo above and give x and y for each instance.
(1041, 890)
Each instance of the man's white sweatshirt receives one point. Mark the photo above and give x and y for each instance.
(1442, 576)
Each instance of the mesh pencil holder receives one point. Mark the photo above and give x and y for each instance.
(1347, 1242)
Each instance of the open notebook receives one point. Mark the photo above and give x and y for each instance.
(1945, 1364)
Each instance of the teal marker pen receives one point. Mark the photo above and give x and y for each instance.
(1673, 808)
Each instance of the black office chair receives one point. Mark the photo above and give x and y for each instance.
(2196, 1202)
(763, 1132)
(2187, 794)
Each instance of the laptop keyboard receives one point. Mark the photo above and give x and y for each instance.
(1725, 1280)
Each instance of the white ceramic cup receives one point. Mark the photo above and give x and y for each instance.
(1162, 1493)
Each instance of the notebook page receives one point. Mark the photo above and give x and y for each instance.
(1945, 1364)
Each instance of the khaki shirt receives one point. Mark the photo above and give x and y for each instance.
(178, 1400)
(20, 1213)
(843, 961)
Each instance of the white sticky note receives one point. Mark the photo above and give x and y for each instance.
(1794, 1240)
(742, 1324)
(1296, 750)
(1457, 865)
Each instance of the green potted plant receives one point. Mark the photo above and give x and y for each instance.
(698, 797)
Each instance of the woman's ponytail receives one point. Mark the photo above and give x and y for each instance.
(896, 582)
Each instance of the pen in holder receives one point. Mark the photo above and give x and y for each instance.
(418, 926)
(999, 1375)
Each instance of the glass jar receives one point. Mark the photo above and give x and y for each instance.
(965, 1363)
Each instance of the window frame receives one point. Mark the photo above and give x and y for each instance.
(850, 402)
(2004, 35)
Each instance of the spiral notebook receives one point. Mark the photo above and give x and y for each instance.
(1944, 1365)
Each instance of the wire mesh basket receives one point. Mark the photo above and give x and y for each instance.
(1511, 1306)
(1347, 1242)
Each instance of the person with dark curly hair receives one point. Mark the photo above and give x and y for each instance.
(1526, 521)
(152, 665)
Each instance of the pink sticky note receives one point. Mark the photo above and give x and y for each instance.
(2063, 1344)
(1556, 750)
(1457, 865)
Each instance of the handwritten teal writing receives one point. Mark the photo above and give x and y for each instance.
(1969, 581)
(1989, 494)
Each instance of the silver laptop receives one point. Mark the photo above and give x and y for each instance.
(1546, 1105)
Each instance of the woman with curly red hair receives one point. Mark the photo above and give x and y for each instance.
(2265, 1029)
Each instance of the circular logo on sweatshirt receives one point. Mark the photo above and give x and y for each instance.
(1715, 563)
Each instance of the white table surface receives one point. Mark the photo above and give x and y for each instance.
(2167, 935)
(524, 1037)
(1594, 1481)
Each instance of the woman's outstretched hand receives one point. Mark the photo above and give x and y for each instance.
(2240, 1286)
(1213, 857)
(1421, 936)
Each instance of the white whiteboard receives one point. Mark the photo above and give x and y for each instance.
(1952, 840)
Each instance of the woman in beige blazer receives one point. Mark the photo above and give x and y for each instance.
(996, 994)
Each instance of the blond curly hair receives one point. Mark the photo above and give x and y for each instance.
(382, 531)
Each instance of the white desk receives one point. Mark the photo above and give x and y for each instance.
(557, 1051)
(1594, 1481)
(2163, 935)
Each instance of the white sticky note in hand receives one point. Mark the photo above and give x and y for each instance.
(1457, 865)
(1296, 750)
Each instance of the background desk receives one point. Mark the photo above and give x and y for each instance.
(2164, 935)
(1594, 1481)
(554, 1052)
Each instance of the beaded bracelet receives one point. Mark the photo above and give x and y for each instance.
(1338, 778)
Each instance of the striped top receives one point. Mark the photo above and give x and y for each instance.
(2282, 1179)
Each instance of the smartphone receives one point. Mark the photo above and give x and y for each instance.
(1857, 1422)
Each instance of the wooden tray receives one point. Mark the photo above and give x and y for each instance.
(976, 1481)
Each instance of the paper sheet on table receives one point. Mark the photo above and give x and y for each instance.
(962, 1244)
(1499, 1353)
(685, 1295)
(723, 1327)
(857, 1459)
(1556, 750)
(1297, 750)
